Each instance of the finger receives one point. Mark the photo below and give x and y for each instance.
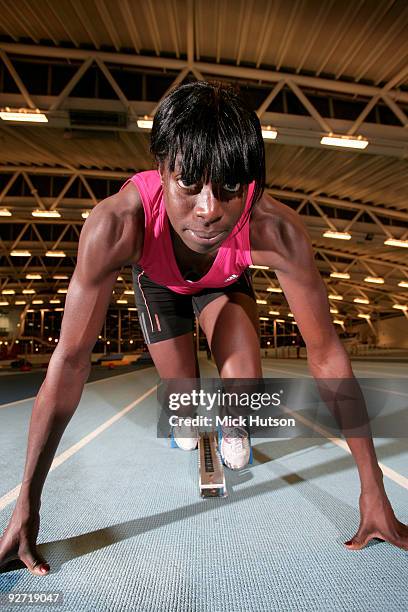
(359, 541)
(35, 563)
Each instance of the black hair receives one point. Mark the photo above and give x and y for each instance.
(218, 136)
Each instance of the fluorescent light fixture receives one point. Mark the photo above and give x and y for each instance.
(128, 292)
(334, 311)
(20, 253)
(255, 267)
(335, 296)
(280, 320)
(62, 291)
(274, 290)
(338, 321)
(340, 275)
(20, 302)
(4, 212)
(377, 280)
(400, 306)
(37, 302)
(23, 114)
(28, 291)
(290, 315)
(51, 214)
(33, 276)
(60, 276)
(337, 235)
(361, 300)
(268, 132)
(55, 301)
(396, 242)
(85, 214)
(121, 301)
(264, 318)
(8, 292)
(4, 303)
(130, 308)
(55, 254)
(403, 284)
(145, 123)
(261, 302)
(58, 310)
(362, 315)
(120, 278)
(350, 142)
(274, 312)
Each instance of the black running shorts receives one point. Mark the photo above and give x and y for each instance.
(164, 314)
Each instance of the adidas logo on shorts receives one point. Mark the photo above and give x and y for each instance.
(231, 278)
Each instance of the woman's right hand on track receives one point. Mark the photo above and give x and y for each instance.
(19, 542)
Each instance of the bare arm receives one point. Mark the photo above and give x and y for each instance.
(110, 238)
(280, 240)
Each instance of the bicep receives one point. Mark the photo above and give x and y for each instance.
(306, 294)
(101, 253)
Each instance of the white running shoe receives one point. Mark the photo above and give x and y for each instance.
(186, 436)
(235, 447)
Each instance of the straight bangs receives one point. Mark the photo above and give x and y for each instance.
(207, 129)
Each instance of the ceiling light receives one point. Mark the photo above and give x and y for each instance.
(338, 322)
(334, 311)
(378, 280)
(261, 302)
(8, 291)
(274, 289)
(255, 267)
(23, 114)
(335, 296)
(62, 291)
(4, 303)
(396, 242)
(350, 142)
(20, 253)
(132, 308)
(363, 315)
(37, 302)
(52, 214)
(85, 214)
(274, 312)
(55, 254)
(403, 284)
(145, 123)
(337, 235)
(264, 318)
(60, 276)
(121, 301)
(20, 302)
(128, 292)
(29, 291)
(340, 275)
(4, 212)
(120, 278)
(55, 301)
(268, 132)
(280, 320)
(290, 314)
(59, 310)
(400, 306)
(361, 300)
(33, 276)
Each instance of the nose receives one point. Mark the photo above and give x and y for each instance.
(207, 207)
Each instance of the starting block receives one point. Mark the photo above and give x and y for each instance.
(211, 470)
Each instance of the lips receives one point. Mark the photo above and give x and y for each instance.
(205, 237)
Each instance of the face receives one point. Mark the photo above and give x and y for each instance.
(203, 214)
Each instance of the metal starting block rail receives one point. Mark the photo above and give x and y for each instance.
(211, 469)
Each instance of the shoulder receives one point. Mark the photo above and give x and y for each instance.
(113, 232)
(278, 235)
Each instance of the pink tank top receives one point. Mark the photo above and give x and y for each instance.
(158, 260)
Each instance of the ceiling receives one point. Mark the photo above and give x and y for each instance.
(307, 67)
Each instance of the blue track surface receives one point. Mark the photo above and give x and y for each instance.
(123, 526)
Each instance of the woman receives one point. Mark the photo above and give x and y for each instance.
(191, 229)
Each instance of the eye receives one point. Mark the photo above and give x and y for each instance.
(232, 188)
(185, 185)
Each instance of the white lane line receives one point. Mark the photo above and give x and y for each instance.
(392, 474)
(88, 384)
(12, 495)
